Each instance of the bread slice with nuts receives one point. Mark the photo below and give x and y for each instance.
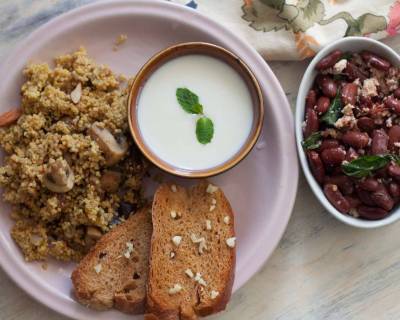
(114, 272)
(192, 257)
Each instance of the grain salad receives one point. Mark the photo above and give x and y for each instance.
(70, 171)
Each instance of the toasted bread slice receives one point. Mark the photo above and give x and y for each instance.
(114, 272)
(192, 257)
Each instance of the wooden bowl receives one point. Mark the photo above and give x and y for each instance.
(204, 49)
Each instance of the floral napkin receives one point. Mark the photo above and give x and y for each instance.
(297, 29)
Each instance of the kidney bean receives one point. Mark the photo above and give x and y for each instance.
(344, 183)
(353, 72)
(351, 154)
(349, 93)
(394, 171)
(394, 136)
(396, 93)
(333, 156)
(393, 104)
(328, 87)
(394, 190)
(375, 61)
(353, 201)
(364, 196)
(329, 60)
(380, 141)
(316, 165)
(356, 139)
(323, 104)
(328, 144)
(311, 99)
(371, 213)
(369, 184)
(382, 198)
(312, 123)
(366, 124)
(336, 198)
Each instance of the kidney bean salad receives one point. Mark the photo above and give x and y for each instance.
(352, 133)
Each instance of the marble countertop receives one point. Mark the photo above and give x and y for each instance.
(322, 269)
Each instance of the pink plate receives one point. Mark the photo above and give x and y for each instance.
(261, 188)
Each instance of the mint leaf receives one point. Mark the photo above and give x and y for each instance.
(365, 165)
(313, 141)
(189, 101)
(204, 130)
(333, 114)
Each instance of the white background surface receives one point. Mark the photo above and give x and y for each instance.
(322, 268)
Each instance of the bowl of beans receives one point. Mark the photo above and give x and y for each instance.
(348, 131)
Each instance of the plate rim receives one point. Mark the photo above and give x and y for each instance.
(50, 297)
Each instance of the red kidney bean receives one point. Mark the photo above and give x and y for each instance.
(344, 183)
(364, 196)
(351, 154)
(356, 139)
(394, 190)
(382, 198)
(312, 123)
(333, 157)
(375, 61)
(353, 72)
(366, 124)
(311, 99)
(329, 87)
(328, 144)
(336, 198)
(322, 105)
(329, 60)
(396, 93)
(371, 213)
(369, 184)
(394, 171)
(393, 104)
(394, 136)
(353, 201)
(349, 93)
(316, 165)
(380, 141)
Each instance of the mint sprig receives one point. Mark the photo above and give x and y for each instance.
(189, 102)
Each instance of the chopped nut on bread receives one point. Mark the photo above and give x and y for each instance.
(114, 272)
(204, 279)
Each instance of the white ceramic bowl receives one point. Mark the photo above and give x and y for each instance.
(353, 44)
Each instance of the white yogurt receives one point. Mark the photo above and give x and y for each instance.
(169, 131)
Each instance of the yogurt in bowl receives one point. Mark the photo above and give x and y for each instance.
(195, 110)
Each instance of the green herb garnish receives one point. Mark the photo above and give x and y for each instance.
(365, 165)
(334, 111)
(189, 102)
(347, 56)
(204, 130)
(313, 141)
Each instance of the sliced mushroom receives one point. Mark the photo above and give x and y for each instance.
(59, 176)
(110, 180)
(113, 148)
(92, 235)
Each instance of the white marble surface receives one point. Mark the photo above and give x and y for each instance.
(322, 269)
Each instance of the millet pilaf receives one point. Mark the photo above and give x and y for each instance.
(71, 171)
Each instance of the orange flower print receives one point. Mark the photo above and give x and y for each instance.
(303, 45)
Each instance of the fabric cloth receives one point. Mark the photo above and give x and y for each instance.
(297, 29)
